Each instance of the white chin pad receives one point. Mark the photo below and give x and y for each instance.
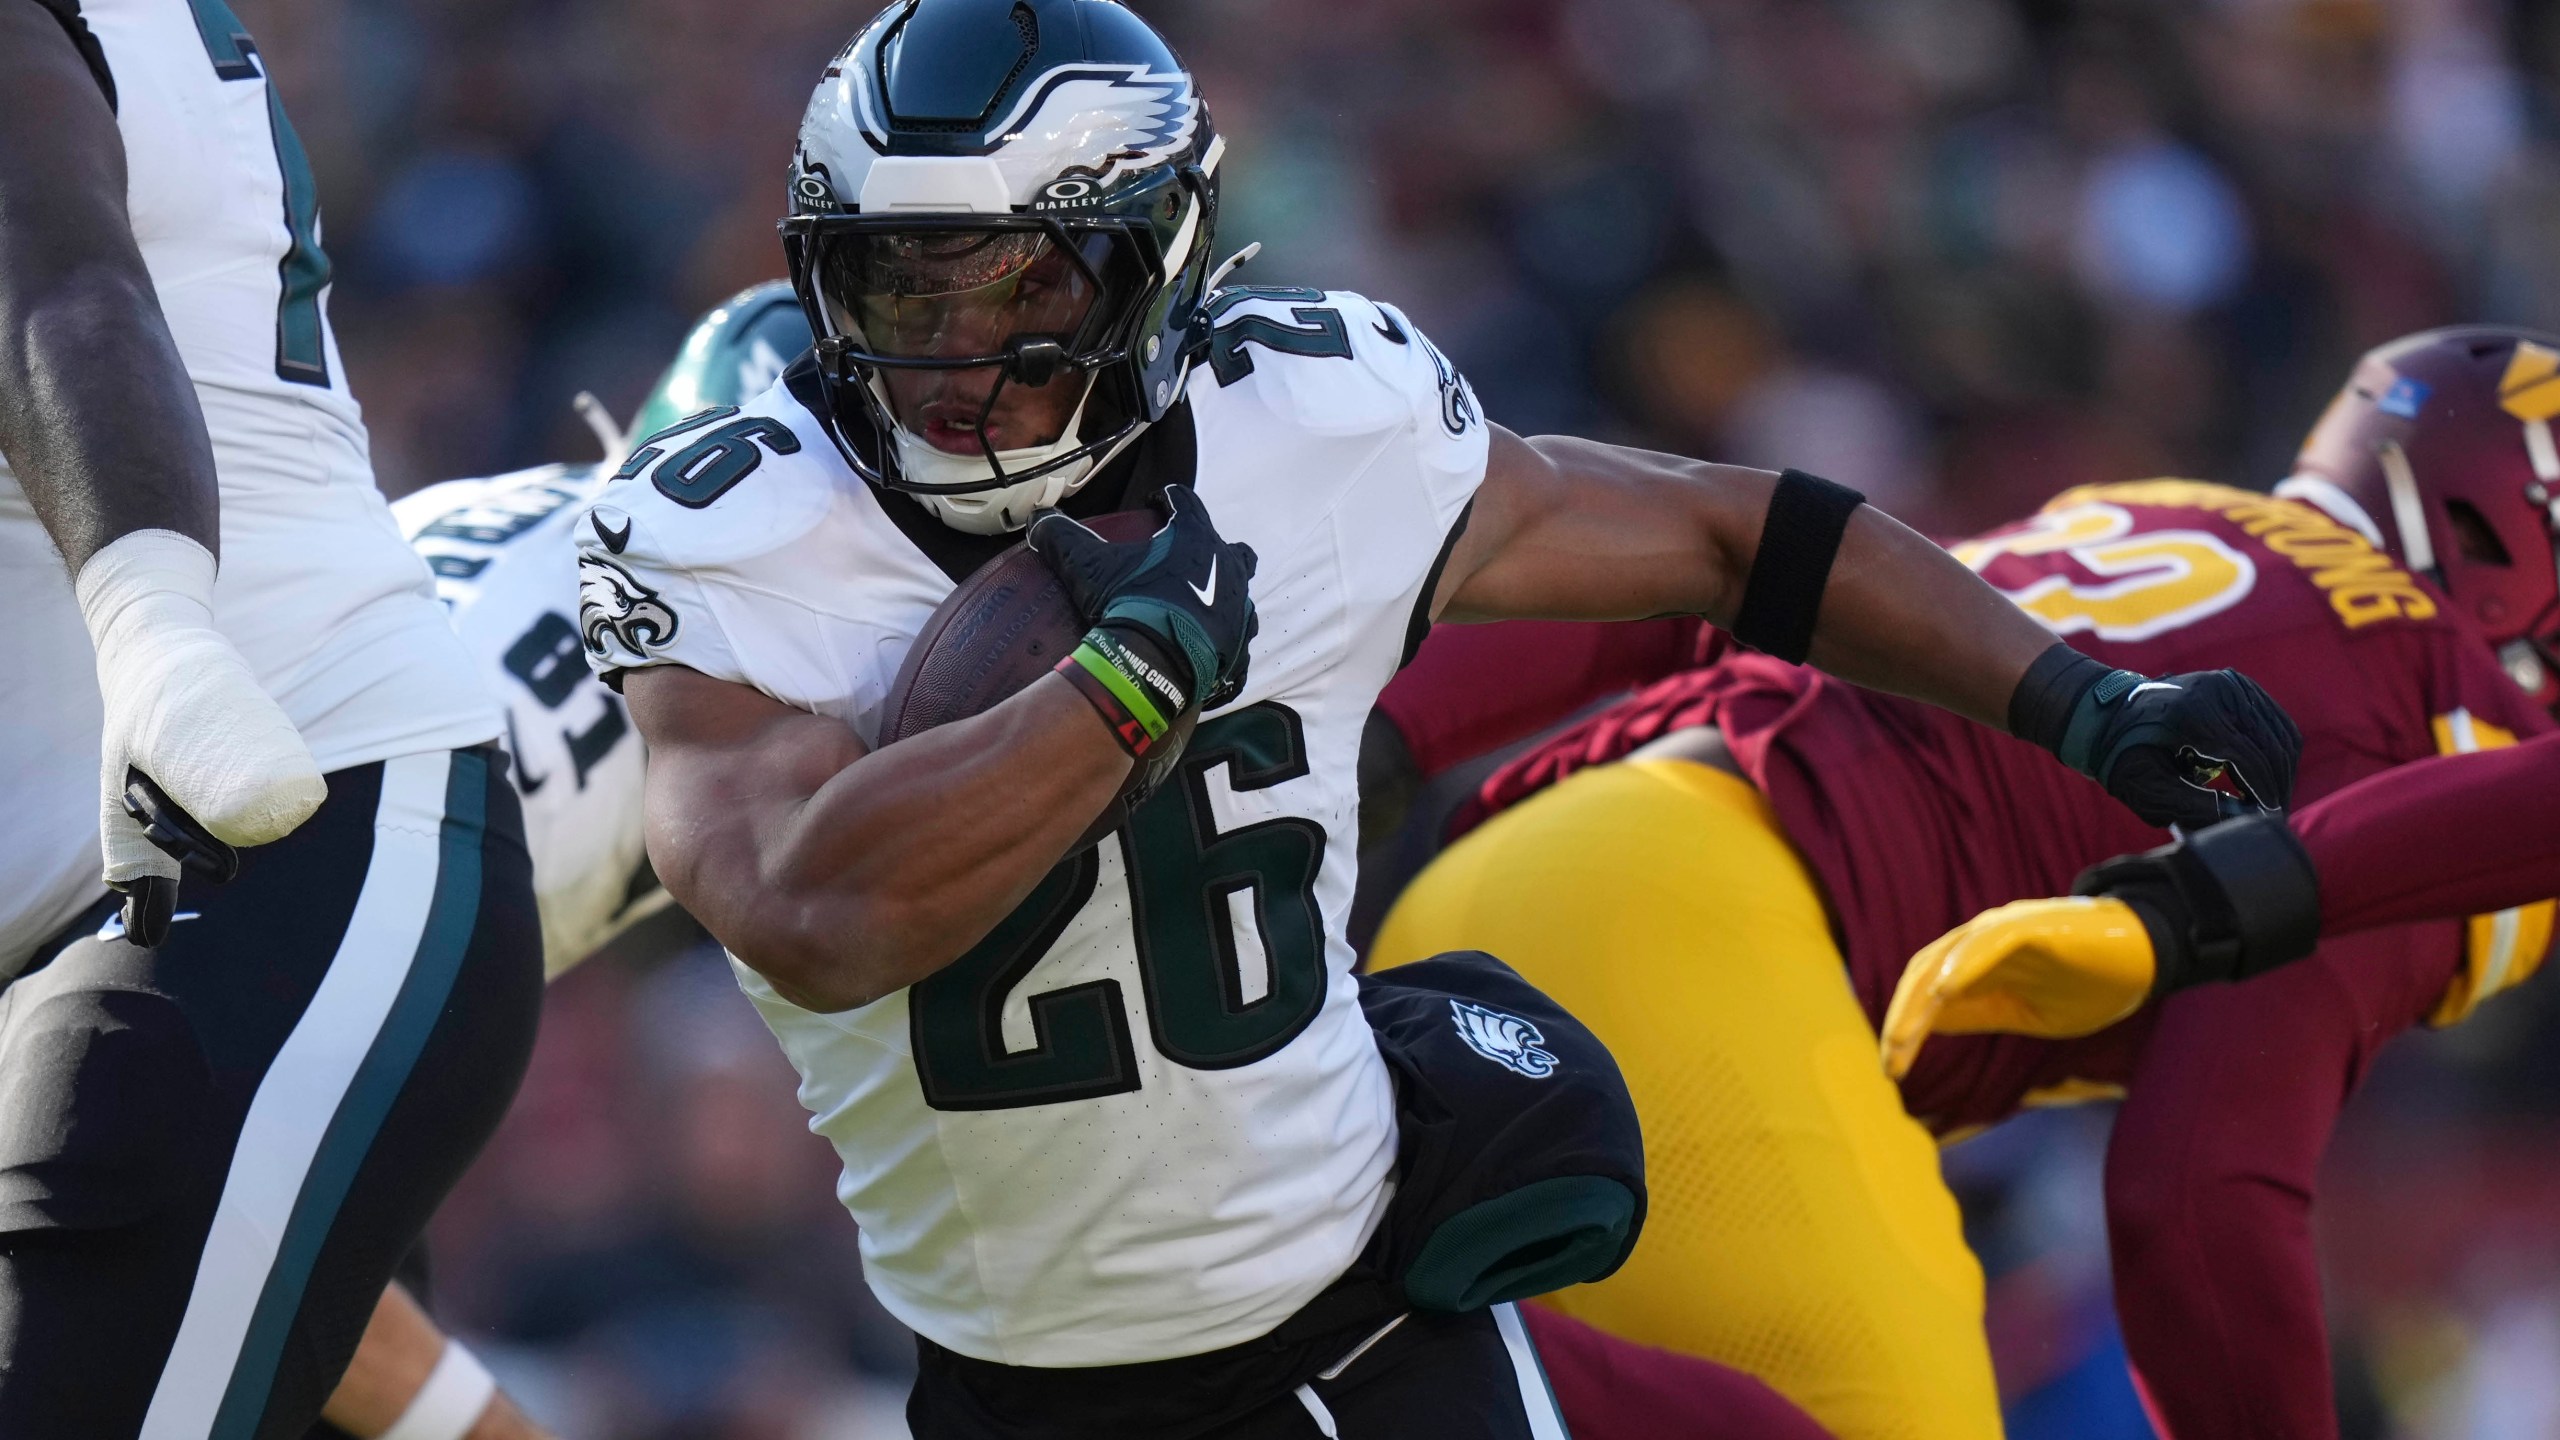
(1010, 507)
(989, 512)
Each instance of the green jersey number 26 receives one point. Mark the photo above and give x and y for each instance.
(1186, 879)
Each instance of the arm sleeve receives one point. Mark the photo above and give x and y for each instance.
(1476, 688)
(2440, 839)
(2211, 1172)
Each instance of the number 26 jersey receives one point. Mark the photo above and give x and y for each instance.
(1144, 1117)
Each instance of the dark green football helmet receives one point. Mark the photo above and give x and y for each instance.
(733, 352)
(1001, 214)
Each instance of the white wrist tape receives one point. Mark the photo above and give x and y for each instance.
(183, 705)
(457, 1393)
(146, 580)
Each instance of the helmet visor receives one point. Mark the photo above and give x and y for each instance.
(963, 295)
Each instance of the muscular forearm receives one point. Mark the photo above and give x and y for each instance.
(97, 416)
(1573, 529)
(2457, 835)
(1902, 615)
(890, 867)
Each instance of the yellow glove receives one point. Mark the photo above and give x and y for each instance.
(2051, 968)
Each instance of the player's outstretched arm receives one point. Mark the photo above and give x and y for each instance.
(2438, 839)
(100, 424)
(1574, 529)
(841, 873)
(2456, 835)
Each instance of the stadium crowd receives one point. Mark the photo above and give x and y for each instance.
(1957, 253)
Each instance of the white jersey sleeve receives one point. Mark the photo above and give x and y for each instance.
(504, 555)
(722, 546)
(1329, 419)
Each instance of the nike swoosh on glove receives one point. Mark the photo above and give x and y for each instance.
(184, 709)
(1183, 594)
(2184, 750)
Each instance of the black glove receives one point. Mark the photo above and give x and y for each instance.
(151, 900)
(2182, 750)
(1179, 598)
(2230, 901)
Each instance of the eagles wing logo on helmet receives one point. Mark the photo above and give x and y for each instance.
(1096, 122)
(1506, 1040)
(613, 603)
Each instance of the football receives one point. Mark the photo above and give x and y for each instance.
(1007, 625)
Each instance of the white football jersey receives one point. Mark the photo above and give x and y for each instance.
(333, 611)
(505, 555)
(1145, 1117)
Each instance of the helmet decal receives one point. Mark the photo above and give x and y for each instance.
(1007, 208)
(2530, 390)
(1088, 123)
(2443, 442)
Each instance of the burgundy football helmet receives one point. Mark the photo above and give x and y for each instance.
(2444, 440)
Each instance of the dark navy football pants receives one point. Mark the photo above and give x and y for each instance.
(213, 1154)
(1450, 1377)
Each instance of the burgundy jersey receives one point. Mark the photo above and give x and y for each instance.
(1915, 819)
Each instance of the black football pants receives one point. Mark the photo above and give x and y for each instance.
(1445, 1377)
(213, 1154)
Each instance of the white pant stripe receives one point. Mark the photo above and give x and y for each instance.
(301, 1093)
(1545, 1421)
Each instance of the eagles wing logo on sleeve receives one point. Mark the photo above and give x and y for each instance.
(611, 602)
(1506, 1040)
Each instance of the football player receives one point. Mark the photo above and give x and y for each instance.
(2471, 835)
(504, 553)
(2475, 507)
(1698, 903)
(232, 1099)
(1117, 1130)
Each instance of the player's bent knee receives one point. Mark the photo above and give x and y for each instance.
(104, 1098)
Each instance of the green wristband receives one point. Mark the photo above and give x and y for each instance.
(1134, 697)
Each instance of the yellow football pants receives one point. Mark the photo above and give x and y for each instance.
(1799, 1228)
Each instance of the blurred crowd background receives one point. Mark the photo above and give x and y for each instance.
(1958, 253)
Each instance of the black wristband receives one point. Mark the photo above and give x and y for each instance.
(1799, 538)
(2268, 881)
(2230, 901)
(2040, 709)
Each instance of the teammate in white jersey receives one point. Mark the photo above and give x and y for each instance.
(228, 1104)
(1118, 1133)
(504, 552)
(505, 555)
